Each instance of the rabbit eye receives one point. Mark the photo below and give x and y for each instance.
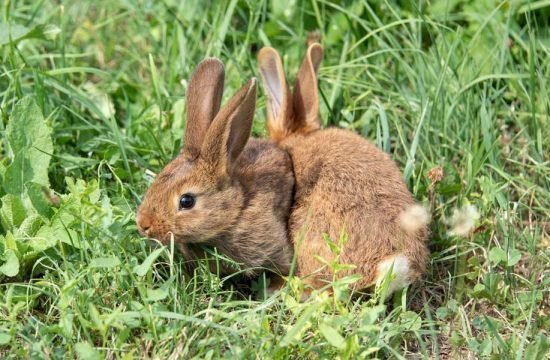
(187, 201)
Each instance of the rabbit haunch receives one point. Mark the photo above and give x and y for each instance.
(343, 183)
(241, 189)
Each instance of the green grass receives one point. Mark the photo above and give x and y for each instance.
(458, 84)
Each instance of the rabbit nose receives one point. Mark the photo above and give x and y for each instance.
(143, 223)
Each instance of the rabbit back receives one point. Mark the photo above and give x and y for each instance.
(346, 184)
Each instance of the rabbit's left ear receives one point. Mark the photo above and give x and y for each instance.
(204, 96)
(230, 130)
(306, 95)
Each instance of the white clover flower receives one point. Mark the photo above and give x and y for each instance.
(463, 220)
(414, 218)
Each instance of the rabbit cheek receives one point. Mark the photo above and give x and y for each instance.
(212, 216)
(191, 226)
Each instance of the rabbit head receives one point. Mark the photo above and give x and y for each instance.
(195, 198)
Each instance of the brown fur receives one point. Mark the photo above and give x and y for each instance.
(243, 188)
(343, 182)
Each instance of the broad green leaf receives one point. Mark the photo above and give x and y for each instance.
(411, 321)
(131, 318)
(156, 294)
(442, 313)
(10, 263)
(479, 290)
(538, 348)
(19, 171)
(44, 239)
(29, 226)
(49, 236)
(338, 28)
(301, 325)
(143, 268)
(104, 104)
(9, 241)
(105, 262)
(332, 336)
(12, 212)
(95, 316)
(30, 143)
(370, 315)
(486, 347)
(440, 9)
(497, 255)
(12, 32)
(40, 202)
(5, 338)
(15, 32)
(283, 9)
(331, 244)
(66, 323)
(2, 172)
(514, 257)
(85, 351)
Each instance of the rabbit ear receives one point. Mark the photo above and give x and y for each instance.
(279, 105)
(230, 130)
(204, 96)
(306, 94)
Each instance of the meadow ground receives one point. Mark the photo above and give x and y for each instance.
(91, 104)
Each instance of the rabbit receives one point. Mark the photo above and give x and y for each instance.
(223, 190)
(342, 183)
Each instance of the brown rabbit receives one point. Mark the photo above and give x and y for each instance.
(223, 190)
(343, 182)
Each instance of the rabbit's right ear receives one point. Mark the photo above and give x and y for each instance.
(230, 130)
(306, 94)
(279, 104)
(204, 96)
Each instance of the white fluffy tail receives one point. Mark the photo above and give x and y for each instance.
(394, 269)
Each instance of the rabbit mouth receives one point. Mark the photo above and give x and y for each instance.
(180, 239)
(158, 238)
